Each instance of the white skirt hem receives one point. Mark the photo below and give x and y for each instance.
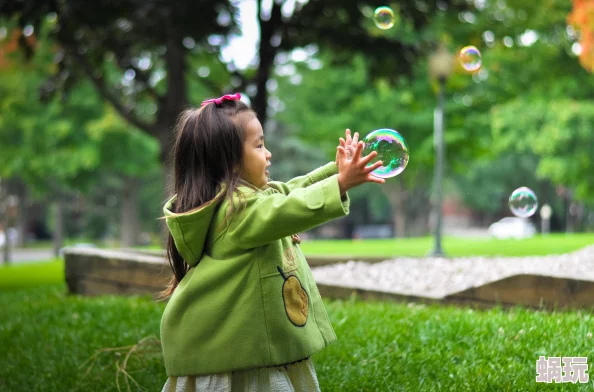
(296, 377)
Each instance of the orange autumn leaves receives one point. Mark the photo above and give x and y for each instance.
(9, 45)
(582, 19)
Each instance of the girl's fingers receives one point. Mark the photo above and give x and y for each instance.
(375, 179)
(356, 138)
(348, 136)
(371, 168)
(341, 142)
(369, 157)
(358, 150)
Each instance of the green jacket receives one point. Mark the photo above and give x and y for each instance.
(249, 299)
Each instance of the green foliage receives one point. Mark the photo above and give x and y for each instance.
(558, 132)
(70, 143)
(44, 142)
(61, 143)
(489, 183)
(123, 149)
(330, 100)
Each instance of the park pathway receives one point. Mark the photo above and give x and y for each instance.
(24, 255)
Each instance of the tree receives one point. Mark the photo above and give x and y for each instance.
(154, 45)
(558, 132)
(58, 146)
(529, 68)
(582, 17)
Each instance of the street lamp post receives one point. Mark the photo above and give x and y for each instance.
(440, 68)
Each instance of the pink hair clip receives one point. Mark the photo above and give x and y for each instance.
(218, 101)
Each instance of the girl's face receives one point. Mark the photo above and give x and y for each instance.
(256, 158)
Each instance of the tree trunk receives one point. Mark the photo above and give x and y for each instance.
(418, 210)
(6, 254)
(169, 109)
(58, 234)
(168, 183)
(266, 54)
(397, 197)
(5, 189)
(129, 213)
(167, 193)
(22, 215)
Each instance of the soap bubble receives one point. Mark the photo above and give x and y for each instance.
(391, 150)
(470, 57)
(383, 17)
(523, 202)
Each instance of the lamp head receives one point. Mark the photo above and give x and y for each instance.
(441, 63)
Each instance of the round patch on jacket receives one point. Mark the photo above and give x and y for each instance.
(295, 298)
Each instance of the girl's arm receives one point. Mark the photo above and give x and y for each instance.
(349, 144)
(269, 216)
(304, 181)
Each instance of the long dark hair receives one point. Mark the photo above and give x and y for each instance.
(207, 155)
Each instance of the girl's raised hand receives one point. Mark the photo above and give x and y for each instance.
(354, 172)
(350, 144)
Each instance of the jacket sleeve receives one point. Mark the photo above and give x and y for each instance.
(270, 216)
(310, 178)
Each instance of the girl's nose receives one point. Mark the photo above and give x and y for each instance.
(268, 154)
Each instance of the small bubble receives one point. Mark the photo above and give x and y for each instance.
(470, 58)
(51, 17)
(523, 202)
(384, 17)
(189, 42)
(203, 71)
(28, 30)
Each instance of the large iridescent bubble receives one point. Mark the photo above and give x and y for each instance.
(384, 17)
(523, 202)
(391, 150)
(470, 58)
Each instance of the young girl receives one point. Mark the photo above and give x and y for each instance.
(244, 312)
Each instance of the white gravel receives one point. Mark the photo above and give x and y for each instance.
(438, 277)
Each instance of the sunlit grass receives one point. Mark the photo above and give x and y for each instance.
(31, 274)
(453, 246)
(382, 346)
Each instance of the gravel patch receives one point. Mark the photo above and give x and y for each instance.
(438, 277)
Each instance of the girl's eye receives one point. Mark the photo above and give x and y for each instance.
(260, 145)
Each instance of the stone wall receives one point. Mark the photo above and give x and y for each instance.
(91, 271)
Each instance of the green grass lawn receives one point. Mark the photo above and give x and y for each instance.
(31, 274)
(453, 246)
(46, 336)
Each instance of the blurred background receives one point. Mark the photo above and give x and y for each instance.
(89, 96)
